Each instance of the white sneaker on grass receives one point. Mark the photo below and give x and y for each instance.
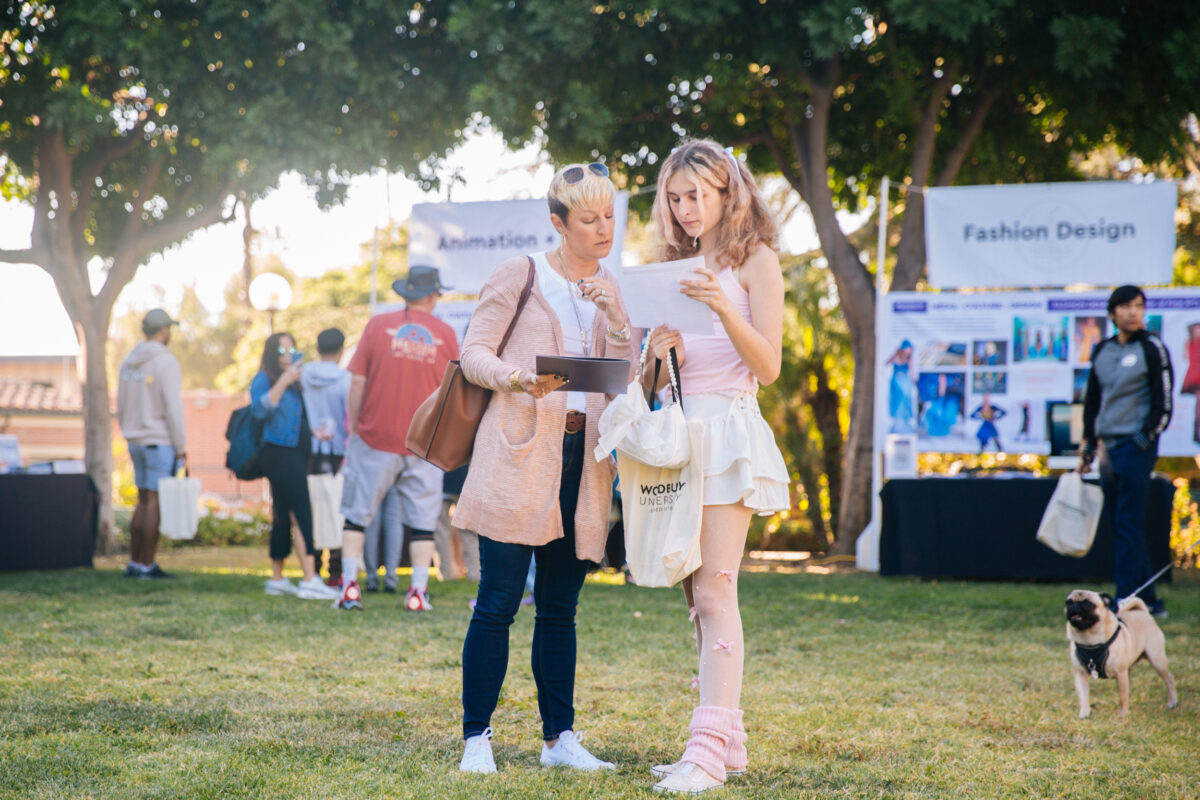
(281, 587)
(315, 589)
(477, 754)
(568, 752)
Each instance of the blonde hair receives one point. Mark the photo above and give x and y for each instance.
(587, 192)
(747, 221)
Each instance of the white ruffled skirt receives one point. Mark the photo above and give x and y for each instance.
(742, 463)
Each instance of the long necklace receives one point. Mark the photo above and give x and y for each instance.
(571, 288)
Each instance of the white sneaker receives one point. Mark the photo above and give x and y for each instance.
(663, 770)
(281, 587)
(477, 755)
(568, 752)
(687, 778)
(315, 589)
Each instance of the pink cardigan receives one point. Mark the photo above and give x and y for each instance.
(511, 490)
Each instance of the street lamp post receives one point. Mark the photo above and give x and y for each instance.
(270, 292)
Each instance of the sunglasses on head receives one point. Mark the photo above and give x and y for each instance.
(288, 351)
(575, 174)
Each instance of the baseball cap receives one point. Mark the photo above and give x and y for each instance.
(155, 320)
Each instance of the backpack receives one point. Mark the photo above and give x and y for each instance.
(245, 434)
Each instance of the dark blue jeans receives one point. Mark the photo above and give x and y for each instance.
(503, 567)
(1125, 478)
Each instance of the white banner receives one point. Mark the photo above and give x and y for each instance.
(467, 240)
(1100, 233)
(971, 372)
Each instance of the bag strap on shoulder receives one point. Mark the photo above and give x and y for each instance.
(520, 305)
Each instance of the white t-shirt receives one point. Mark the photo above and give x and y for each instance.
(574, 317)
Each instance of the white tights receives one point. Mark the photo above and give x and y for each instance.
(712, 592)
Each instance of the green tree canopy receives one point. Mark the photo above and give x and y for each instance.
(833, 95)
(128, 124)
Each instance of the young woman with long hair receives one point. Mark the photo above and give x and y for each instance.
(708, 205)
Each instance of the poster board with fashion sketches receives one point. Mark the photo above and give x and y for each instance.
(970, 373)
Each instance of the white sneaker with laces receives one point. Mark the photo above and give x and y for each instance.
(315, 589)
(477, 754)
(281, 587)
(568, 752)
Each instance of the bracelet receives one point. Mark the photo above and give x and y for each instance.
(514, 380)
(621, 335)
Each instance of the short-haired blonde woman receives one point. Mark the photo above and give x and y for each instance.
(708, 205)
(533, 490)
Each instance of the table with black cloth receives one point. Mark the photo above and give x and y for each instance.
(981, 527)
(47, 521)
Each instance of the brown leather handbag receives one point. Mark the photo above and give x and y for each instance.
(444, 426)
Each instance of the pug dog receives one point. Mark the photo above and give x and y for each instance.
(1106, 645)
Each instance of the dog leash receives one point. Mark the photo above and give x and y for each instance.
(1158, 574)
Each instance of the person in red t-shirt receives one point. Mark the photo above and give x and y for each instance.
(399, 362)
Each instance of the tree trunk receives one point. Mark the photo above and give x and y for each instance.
(91, 328)
(247, 255)
(856, 295)
(806, 168)
(910, 252)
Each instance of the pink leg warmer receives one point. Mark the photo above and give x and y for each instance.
(711, 728)
(736, 757)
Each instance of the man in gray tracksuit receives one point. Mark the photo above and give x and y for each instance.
(1126, 408)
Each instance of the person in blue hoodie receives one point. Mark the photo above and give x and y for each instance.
(325, 387)
(287, 444)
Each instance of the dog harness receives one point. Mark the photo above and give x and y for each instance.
(1093, 657)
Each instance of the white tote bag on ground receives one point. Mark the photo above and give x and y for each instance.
(1069, 524)
(325, 495)
(662, 509)
(179, 506)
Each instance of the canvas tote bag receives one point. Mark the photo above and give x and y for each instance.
(662, 509)
(444, 426)
(1069, 524)
(325, 496)
(179, 506)
(661, 469)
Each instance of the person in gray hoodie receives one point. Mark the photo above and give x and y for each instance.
(150, 412)
(326, 389)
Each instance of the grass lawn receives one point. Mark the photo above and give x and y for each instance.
(857, 687)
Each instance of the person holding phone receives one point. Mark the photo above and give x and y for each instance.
(275, 398)
(533, 488)
(707, 204)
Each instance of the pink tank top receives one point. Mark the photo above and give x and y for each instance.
(711, 365)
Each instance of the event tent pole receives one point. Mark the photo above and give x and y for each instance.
(867, 546)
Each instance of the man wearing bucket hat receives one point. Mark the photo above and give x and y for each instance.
(150, 412)
(398, 363)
